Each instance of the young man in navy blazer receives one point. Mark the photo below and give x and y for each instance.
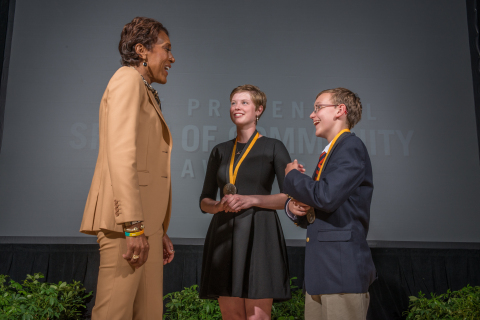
(334, 207)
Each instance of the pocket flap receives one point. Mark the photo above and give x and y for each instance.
(143, 178)
(334, 235)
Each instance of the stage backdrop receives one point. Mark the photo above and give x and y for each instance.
(407, 60)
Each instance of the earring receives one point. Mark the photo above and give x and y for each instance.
(144, 63)
(257, 118)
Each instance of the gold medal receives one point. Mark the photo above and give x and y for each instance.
(229, 189)
(310, 215)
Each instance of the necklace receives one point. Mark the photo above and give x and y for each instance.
(149, 87)
(240, 148)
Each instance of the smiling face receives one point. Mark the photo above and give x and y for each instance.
(242, 110)
(326, 119)
(160, 59)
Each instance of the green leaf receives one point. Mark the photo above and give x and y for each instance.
(34, 300)
(461, 304)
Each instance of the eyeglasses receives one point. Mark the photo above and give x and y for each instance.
(317, 107)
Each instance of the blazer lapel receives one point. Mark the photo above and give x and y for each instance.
(157, 108)
(343, 136)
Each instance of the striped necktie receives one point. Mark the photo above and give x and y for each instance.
(320, 162)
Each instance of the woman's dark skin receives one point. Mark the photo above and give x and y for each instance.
(159, 60)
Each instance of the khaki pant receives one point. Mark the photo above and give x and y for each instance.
(125, 293)
(349, 306)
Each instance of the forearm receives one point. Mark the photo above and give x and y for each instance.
(274, 201)
(121, 134)
(209, 205)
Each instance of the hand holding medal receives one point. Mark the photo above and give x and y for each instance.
(300, 209)
(296, 207)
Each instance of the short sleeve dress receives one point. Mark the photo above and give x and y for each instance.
(245, 254)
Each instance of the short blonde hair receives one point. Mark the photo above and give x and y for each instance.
(258, 97)
(350, 100)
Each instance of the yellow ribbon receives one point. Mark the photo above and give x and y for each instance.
(233, 175)
(330, 148)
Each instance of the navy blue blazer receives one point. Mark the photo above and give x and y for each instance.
(337, 256)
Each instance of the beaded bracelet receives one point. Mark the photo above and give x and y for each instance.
(134, 234)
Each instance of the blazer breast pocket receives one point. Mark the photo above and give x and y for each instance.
(334, 235)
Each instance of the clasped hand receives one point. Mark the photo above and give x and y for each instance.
(294, 165)
(298, 208)
(234, 203)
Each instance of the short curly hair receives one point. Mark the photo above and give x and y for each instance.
(258, 96)
(140, 30)
(350, 100)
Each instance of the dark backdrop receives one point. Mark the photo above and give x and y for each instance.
(473, 16)
(401, 271)
(7, 9)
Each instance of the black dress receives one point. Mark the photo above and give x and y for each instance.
(245, 254)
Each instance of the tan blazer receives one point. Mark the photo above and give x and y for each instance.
(132, 176)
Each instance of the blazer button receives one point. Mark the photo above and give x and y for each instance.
(308, 239)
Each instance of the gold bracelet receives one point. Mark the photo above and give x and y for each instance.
(129, 223)
(134, 229)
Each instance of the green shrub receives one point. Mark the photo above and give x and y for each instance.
(461, 304)
(186, 305)
(36, 300)
(292, 309)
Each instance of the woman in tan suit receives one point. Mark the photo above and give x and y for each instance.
(129, 203)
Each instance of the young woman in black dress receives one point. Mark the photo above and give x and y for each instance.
(245, 262)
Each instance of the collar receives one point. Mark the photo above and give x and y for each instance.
(149, 87)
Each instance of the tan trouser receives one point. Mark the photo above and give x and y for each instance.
(125, 293)
(343, 306)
